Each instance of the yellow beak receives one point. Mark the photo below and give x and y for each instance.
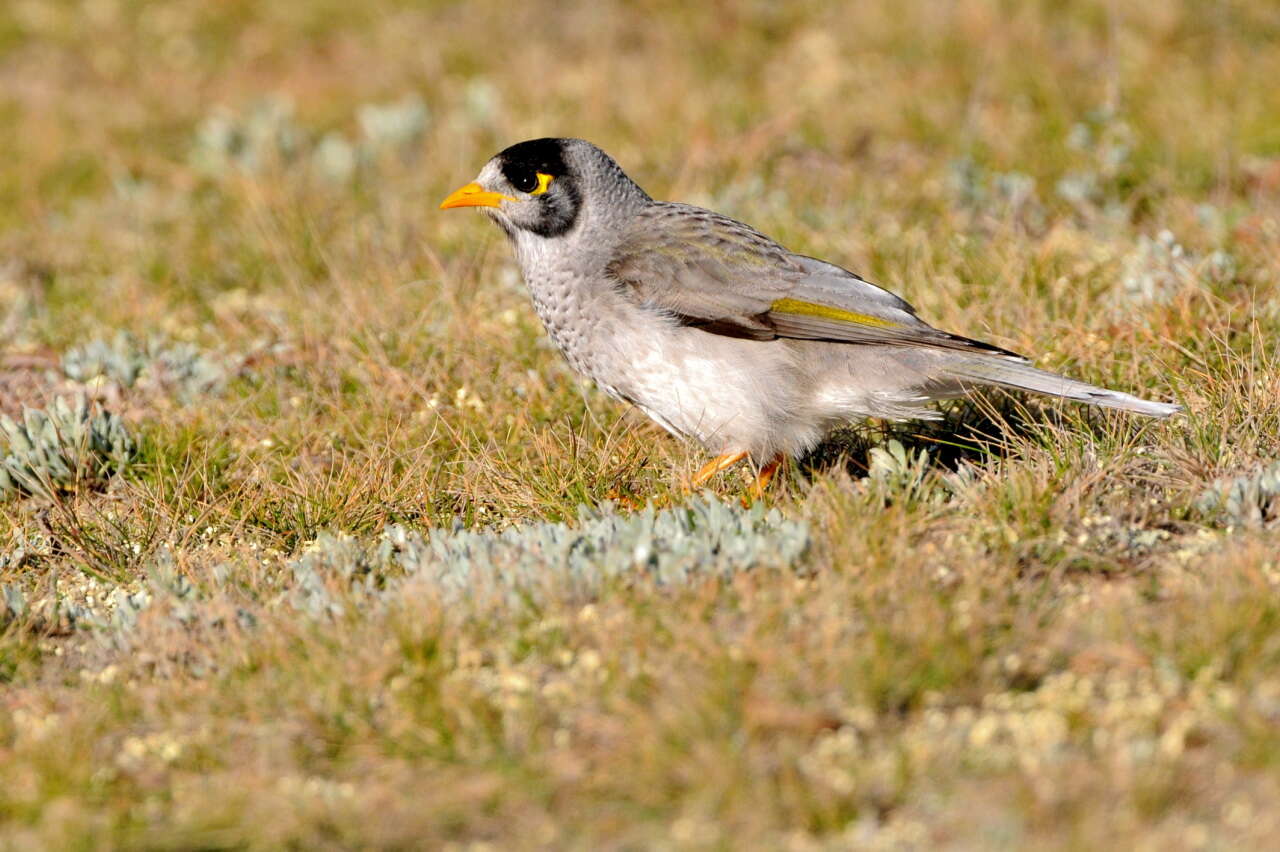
(474, 195)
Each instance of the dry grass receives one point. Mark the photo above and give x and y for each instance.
(1052, 648)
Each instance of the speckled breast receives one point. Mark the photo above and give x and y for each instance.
(569, 324)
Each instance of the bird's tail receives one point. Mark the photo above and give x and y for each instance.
(1006, 372)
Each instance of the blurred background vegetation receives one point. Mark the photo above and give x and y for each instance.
(218, 222)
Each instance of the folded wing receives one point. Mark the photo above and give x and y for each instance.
(727, 278)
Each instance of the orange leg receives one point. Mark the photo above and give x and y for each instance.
(714, 466)
(765, 476)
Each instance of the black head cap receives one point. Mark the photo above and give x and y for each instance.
(522, 162)
(559, 205)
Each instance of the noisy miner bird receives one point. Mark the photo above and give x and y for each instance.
(716, 331)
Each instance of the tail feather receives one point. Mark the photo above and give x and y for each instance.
(1019, 375)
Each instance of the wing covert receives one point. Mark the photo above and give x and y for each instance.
(727, 278)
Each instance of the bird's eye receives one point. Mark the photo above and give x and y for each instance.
(525, 181)
(534, 184)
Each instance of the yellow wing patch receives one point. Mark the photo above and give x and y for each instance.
(812, 309)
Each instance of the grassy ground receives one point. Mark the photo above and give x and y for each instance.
(1029, 629)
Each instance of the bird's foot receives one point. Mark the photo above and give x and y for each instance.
(765, 476)
(723, 462)
(762, 480)
(626, 501)
(711, 468)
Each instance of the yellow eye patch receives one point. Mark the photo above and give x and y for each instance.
(544, 181)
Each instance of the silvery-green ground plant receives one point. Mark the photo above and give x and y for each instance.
(524, 566)
(707, 538)
(1158, 267)
(127, 361)
(66, 447)
(1249, 499)
(266, 135)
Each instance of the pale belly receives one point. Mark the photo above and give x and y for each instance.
(726, 393)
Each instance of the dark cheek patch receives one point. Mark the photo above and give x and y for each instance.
(557, 210)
